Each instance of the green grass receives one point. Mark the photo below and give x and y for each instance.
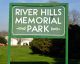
(3, 55)
(22, 54)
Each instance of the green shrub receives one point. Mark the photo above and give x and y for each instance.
(3, 40)
(57, 48)
(50, 47)
(39, 45)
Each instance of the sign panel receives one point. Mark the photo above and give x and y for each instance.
(38, 20)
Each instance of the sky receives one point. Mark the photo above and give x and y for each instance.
(4, 9)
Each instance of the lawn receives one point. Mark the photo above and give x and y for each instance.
(3, 55)
(24, 54)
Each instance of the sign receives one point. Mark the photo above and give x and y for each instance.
(40, 20)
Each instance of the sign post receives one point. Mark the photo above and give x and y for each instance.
(43, 20)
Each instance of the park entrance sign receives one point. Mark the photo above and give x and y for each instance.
(42, 20)
(38, 20)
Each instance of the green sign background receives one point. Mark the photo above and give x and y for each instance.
(16, 28)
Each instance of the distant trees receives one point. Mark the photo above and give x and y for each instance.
(74, 17)
(3, 33)
(52, 1)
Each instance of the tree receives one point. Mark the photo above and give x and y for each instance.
(74, 41)
(74, 16)
(51, 1)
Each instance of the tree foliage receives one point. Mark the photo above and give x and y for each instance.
(74, 41)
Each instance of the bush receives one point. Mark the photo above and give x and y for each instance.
(41, 46)
(58, 48)
(3, 40)
(50, 47)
